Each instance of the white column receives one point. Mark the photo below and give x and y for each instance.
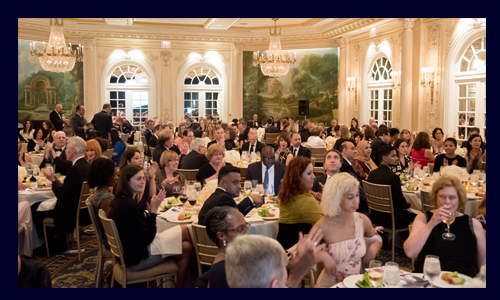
(91, 78)
(406, 74)
(235, 83)
(343, 117)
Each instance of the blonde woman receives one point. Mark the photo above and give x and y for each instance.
(210, 171)
(210, 131)
(167, 177)
(349, 236)
(344, 137)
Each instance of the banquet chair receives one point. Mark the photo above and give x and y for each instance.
(431, 167)
(425, 199)
(206, 250)
(103, 253)
(379, 198)
(165, 271)
(270, 138)
(482, 166)
(143, 140)
(124, 137)
(189, 174)
(108, 153)
(243, 174)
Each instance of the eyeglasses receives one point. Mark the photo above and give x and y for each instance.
(240, 229)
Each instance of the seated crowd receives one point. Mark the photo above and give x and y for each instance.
(330, 206)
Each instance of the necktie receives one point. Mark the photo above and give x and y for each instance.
(266, 179)
(295, 152)
(251, 149)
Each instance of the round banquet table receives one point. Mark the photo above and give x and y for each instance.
(36, 159)
(341, 284)
(471, 207)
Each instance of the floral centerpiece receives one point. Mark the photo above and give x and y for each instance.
(455, 171)
(206, 140)
(232, 157)
(209, 188)
(461, 151)
(261, 131)
(330, 140)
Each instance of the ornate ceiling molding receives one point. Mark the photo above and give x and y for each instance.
(237, 48)
(476, 23)
(377, 44)
(342, 42)
(450, 29)
(408, 22)
(351, 26)
(165, 57)
(89, 42)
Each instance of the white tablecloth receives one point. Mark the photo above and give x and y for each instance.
(416, 204)
(341, 284)
(32, 198)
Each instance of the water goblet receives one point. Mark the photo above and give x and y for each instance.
(432, 268)
(482, 178)
(474, 179)
(247, 186)
(391, 274)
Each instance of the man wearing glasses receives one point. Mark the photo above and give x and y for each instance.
(196, 157)
(268, 172)
(229, 187)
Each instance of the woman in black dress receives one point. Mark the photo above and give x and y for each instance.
(210, 171)
(283, 148)
(404, 161)
(230, 137)
(449, 157)
(467, 251)
(48, 131)
(37, 141)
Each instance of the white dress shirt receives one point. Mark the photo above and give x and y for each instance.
(270, 187)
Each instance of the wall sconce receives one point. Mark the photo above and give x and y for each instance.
(396, 79)
(427, 79)
(352, 86)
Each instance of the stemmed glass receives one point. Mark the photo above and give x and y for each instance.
(426, 170)
(269, 188)
(375, 274)
(421, 175)
(391, 274)
(482, 178)
(450, 219)
(474, 178)
(247, 186)
(409, 173)
(432, 267)
(260, 189)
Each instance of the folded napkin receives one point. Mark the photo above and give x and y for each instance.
(168, 242)
(49, 204)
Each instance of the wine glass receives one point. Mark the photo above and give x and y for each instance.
(36, 172)
(244, 156)
(247, 186)
(260, 189)
(257, 154)
(409, 174)
(269, 188)
(436, 176)
(474, 178)
(254, 184)
(421, 175)
(448, 221)
(426, 170)
(197, 186)
(482, 178)
(432, 267)
(391, 274)
(376, 273)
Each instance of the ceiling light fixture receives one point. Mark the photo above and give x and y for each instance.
(55, 56)
(274, 63)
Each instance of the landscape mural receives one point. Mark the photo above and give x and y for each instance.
(39, 90)
(313, 77)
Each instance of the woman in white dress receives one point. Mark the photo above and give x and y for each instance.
(28, 131)
(315, 140)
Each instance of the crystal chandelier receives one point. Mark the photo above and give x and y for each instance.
(274, 63)
(55, 56)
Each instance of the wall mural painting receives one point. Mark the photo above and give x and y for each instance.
(39, 90)
(314, 76)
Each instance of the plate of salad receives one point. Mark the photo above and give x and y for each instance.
(359, 281)
(172, 201)
(265, 214)
(182, 218)
(451, 280)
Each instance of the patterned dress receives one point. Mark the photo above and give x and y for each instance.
(347, 254)
(283, 155)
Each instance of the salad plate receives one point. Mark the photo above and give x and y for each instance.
(174, 219)
(444, 284)
(350, 281)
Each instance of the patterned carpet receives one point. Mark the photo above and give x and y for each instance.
(67, 272)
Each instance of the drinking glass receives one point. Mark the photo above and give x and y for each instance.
(482, 178)
(257, 154)
(260, 189)
(269, 188)
(391, 274)
(432, 268)
(48, 168)
(436, 176)
(409, 173)
(254, 184)
(451, 218)
(427, 171)
(376, 273)
(421, 175)
(36, 172)
(476, 171)
(244, 156)
(247, 186)
(474, 178)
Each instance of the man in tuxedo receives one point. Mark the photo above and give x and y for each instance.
(68, 196)
(308, 126)
(78, 121)
(56, 155)
(57, 119)
(394, 133)
(383, 138)
(242, 137)
(219, 139)
(348, 151)
(331, 130)
(270, 127)
(332, 163)
(297, 149)
(196, 157)
(103, 122)
(256, 123)
(267, 171)
(229, 187)
(384, 175)
(153, 140)
(148, 133)
(165, 143)
(197, 130)
(253, 144)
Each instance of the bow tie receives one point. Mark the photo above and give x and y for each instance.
(56, 150)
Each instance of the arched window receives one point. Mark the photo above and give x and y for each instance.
(202, 93)
(472, 89)
(128, 90)
(380, 92)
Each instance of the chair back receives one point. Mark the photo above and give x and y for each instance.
(124, 137)
(113, 237)
(84, 194)
(206, 250)
(482, 166)
(270, 138)
(425, 199)
(243, 173)
(108, 153)
(313, 161)
(189, 174)
(95, 222)
(318, 153)
(379, 198)
(144, 141)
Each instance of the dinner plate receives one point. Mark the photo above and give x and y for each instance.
(173, 219)
(350, 281)
(443, 284)
(42, 189)
(165, 202)
(270, 218)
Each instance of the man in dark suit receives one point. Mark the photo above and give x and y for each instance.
(197, 132)
(348, 151)
(331, 130)
(196, 157)
(297, 149)
(56, 155)
(78, 121)
(153, 140)
(256, 123)
(253, 145)
(229, 182)
(270, 127)
(242, 137)
(332, 163)
(308, 126)
(148, 132)
(165, 143)
(57, 119)
(267, 172)
(384, 175)
(383, 138)
(219, 139)
(103, 122)
(68, 196)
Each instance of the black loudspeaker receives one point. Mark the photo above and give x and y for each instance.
(303, 107)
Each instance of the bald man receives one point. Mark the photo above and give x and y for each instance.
(57, 118)
(267, 171)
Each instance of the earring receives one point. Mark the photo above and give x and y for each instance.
(224, 243)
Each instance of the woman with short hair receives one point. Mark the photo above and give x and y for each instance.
(449, 158)
(283, 152)
(315, 140)
(167, 176)
(37, 143)
(437, 142)
(210, 171)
